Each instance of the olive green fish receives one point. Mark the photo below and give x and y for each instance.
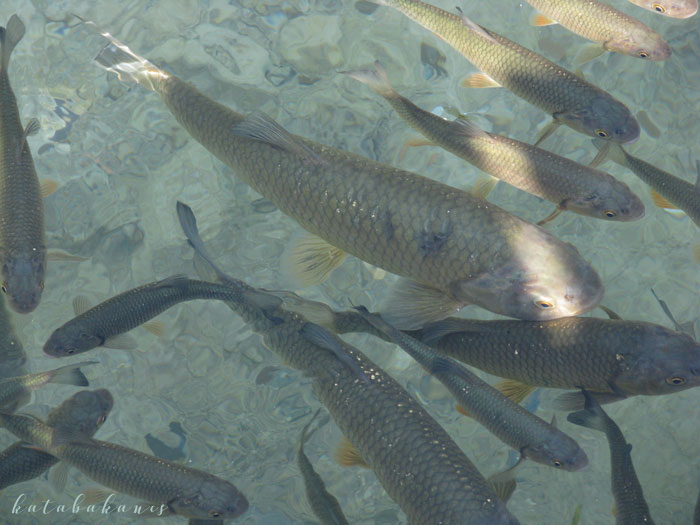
(22, 244)
(601, 23)
(104, 324)
(611, 358)
(84, 413)
(17, 387)
(414, 459)
(672, 8)
(323, 503)
(631, 508)
(517, 427)
(455, 248)
(568, 184)
(674, 191)
(567, 97)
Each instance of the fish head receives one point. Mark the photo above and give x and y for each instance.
(668, 362)
(83, 413)
(23, 278)
(544, 279)
(70, 339)
(603, 118)
(610, 200)
(211, 499)
(641, 43)
(675, 8)
(558, 451)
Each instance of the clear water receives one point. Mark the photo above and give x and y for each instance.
(122, 162)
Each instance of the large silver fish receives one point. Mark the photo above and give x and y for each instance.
(456, 248)
(22, 244)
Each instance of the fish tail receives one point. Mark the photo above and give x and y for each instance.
(376, 79)
(9, 37)
(610, 151)
(305, 433)
(70, 375)
(118, 58)
(592, 416)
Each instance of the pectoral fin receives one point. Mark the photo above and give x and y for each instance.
(514, 390)
(310, 260)
(588, 53)
(348, 456)
(484, 186)
(539, 20)
(547, 131)
(81, 304)
(411, 304)
(479, 81)
(47, 187)
(58, 476)
(662, 202)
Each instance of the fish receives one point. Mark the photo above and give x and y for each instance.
(181, 490)
(612, 359)
(16, 387)
(568, 184)
(570, 99)
(323, 503)
(415, 460)
(601, 23)
(668, 191)
(433, 59)
(84, 413)
(671, 8)
(517, 427)
(631, 507)
(12, 355)
(105, 324)
(452, 248)
(22, 240)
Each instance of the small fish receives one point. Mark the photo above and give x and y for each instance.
(323, 503)
(564, 95)
(415, 460)
(601, 23)
(22, 243)
(16, 387)
(668, 191)
(184, 491)
(519, 428)
(105, 324)
(452, 247)
(672, 8)
(568, 184)
(631, 508)
(84, 413)
(613, 359)
(432, 58)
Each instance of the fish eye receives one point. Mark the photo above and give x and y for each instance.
(602, 133)
(214, 514)
(4, 287)
(675, 380)
(545, 305)
(101, 420)
(610, 214)
(556, 463)
(70, 350)
(658, 8)
(642, 54)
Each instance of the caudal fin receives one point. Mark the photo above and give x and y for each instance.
(71, 374)
(376, 79)
(9, 36)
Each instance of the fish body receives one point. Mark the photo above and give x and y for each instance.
(183, 490)
(568, 98)
(614, 357)
(22, 243)
(98, 325)
(568, 184)
(12, 354)
(514, 425)
(461, 247)
(323, 503)
(84, 412)
(604, 24)
(17, 387)
(631, 507)
(672, 8)
(679, 192)
(414, 459)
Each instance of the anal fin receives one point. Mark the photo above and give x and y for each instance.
(514, 390)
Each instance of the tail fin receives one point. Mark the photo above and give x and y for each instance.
(592, 416)
(71, 374)
(118, 58)
(609, 151)
(9, 37)
(376, 79)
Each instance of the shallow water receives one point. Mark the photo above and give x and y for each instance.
(122, 162)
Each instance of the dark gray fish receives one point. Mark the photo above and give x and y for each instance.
(414, 459)
(22, 244)
(83, 413)
(12, 354)
(517, 427)
(323, 503)
(432, 58)
(630, 504)
(17, 387)
(184, 491)
(104, 324)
